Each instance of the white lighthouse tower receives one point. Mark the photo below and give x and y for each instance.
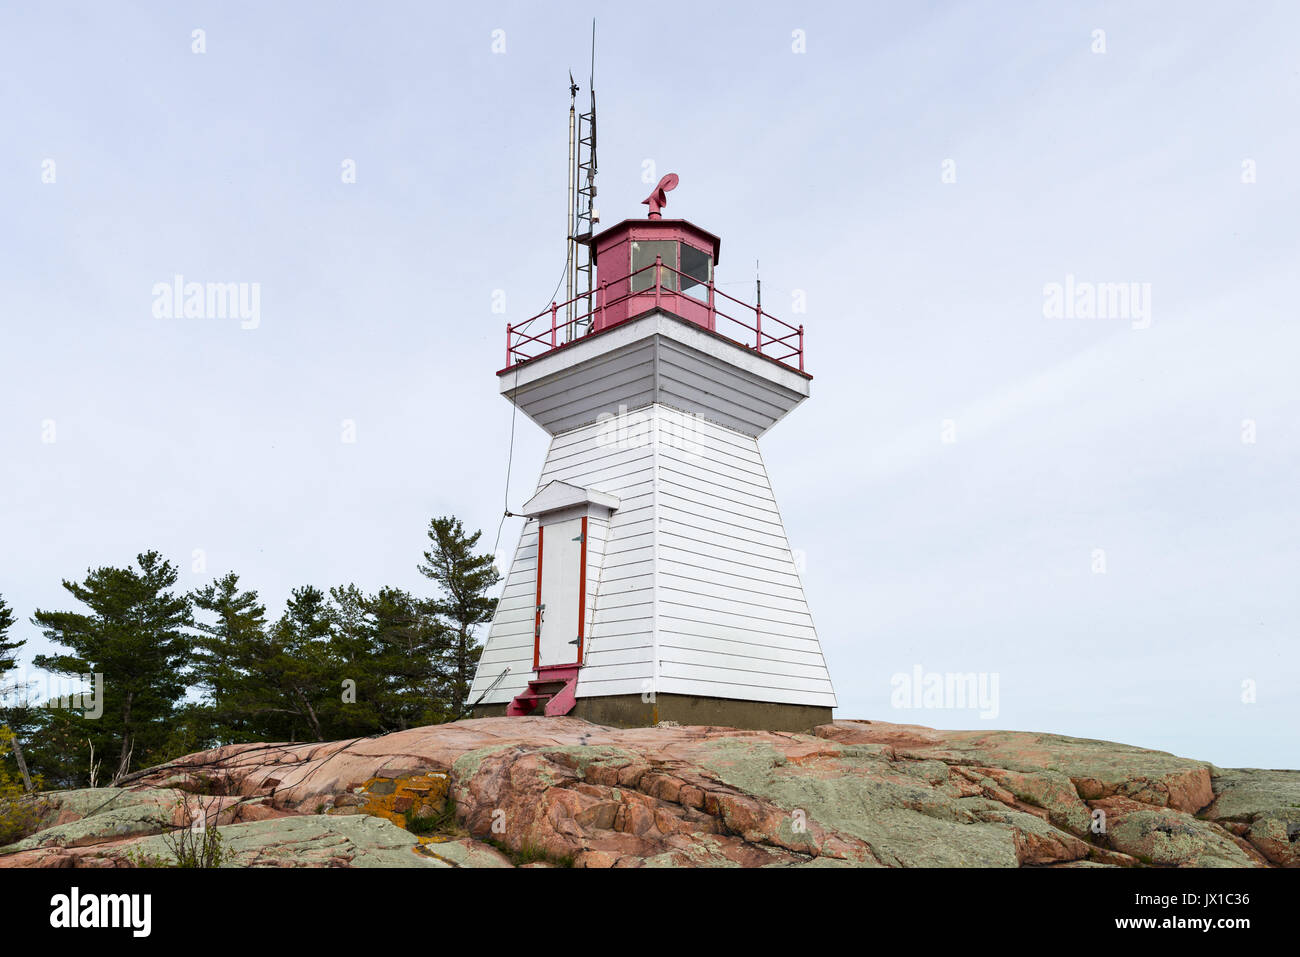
(653, 578)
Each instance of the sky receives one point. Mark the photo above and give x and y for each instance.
(1098, 513)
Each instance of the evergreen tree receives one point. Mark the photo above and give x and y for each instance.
(8, 648)
(463, 580)
(225, 653)
(135, 637)
(289, 680)
(59, 748)
(412, 646)
(14, 712)
(356, 670)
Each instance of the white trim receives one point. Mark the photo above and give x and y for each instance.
(620, 368)
(557, 495)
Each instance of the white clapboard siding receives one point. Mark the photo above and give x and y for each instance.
(597, 537)
(691, 585)
(732, 618)
(620, 596)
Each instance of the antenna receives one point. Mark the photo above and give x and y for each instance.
(571, 252)
(582, 200)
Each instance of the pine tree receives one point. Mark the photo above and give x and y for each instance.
(135, 637)
(14, 716)
(463, 581)
(225, 652)
(8, 648)
(357, 674)
(8, 657)
(412, 646)
(292, 677)
(57, 747)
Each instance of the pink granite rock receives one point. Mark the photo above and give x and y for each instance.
(560, 791)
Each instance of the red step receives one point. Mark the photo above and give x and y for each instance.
(553, 688)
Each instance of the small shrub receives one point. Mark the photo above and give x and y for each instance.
(195, 847)
(445, 820)
(530, 854)
(137, 858)
(19, 811)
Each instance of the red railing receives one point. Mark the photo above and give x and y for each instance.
(603, 311)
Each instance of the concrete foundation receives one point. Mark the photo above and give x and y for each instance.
(630, 711)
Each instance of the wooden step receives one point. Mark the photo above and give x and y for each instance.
(554, 691)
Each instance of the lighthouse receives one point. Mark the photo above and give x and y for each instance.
(653, 579)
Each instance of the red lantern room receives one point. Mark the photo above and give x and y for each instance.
(630, 257)
(655, 265)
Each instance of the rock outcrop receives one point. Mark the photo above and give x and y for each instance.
(537, 791)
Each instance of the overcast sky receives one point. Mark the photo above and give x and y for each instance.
(919, 174)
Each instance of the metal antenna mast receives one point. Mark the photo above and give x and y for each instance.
(582, 193)
(570, 226)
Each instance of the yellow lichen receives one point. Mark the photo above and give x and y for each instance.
(420, 794)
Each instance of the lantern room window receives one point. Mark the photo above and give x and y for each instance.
(643, 257)
(695, 266)
(697, 269)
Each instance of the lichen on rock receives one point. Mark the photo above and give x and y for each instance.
(547, 792)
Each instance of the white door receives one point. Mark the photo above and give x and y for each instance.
(559, 589)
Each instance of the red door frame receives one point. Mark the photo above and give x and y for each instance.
(582, 591)
(537, 608)
(582, 602)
